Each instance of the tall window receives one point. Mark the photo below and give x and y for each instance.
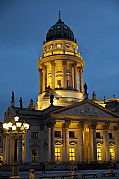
(34, 155)
(99, 151)
(112, 152)
(72, 154)
(57, 154)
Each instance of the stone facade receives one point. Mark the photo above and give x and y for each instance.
(69, 128)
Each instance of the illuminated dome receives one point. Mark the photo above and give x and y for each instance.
(59, 31)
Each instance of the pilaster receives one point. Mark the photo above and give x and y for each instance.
(64, 63)
(51, 143)
(53, 74)
(65, 135)
(106, 142)
(44, 78)
(117, 143)
(93, 144)
(75, 76)
(80, 143)
(40, 81)
(81, 80)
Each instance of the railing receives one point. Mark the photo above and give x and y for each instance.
(60, 177)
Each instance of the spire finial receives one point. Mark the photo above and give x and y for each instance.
(59, 16)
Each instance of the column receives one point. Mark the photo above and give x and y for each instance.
(49, 143)
(44, 81)
(75, 76)
(52, 142)
(53, 74)
(80, 143)
(65, 136)
(106, 142)
(81, 80)
(72, 76)
(64, 143)
(64, 63)
(117, 143)
(40, 81)
(93, 144)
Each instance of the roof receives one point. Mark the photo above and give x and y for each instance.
(60, 31)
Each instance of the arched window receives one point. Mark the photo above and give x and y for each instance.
(34, 155)
(57, 154)
(112, 152)
(71, 154)
(99, 152)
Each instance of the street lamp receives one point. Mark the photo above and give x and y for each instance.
(15, 130)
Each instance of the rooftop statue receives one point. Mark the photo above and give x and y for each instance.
(12, 101)
(20, 101)
(51, 98)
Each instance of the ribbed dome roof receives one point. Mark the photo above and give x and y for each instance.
(59, 31)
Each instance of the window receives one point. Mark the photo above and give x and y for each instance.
(110, 135)
(34, 155)
(72, 154)
(71, 134)
(59, 45)
(57, 133)
(34, 135)
(99, 153)
(98, 135)
(57, 154)
(112, 152)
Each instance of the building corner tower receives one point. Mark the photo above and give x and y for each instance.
(60, 68)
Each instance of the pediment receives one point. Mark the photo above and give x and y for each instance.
(87, 108)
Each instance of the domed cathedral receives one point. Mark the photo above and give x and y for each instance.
(60, 68)
(67, 129)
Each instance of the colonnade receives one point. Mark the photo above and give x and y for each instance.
(76, 72)
(85, 143)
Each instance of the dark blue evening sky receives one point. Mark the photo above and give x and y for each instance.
(23, 27)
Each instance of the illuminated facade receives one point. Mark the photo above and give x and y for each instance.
(69, 128)
(60, 68)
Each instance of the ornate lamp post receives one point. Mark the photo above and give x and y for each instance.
(15, 130)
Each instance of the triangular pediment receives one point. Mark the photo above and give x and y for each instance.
(86, 108)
